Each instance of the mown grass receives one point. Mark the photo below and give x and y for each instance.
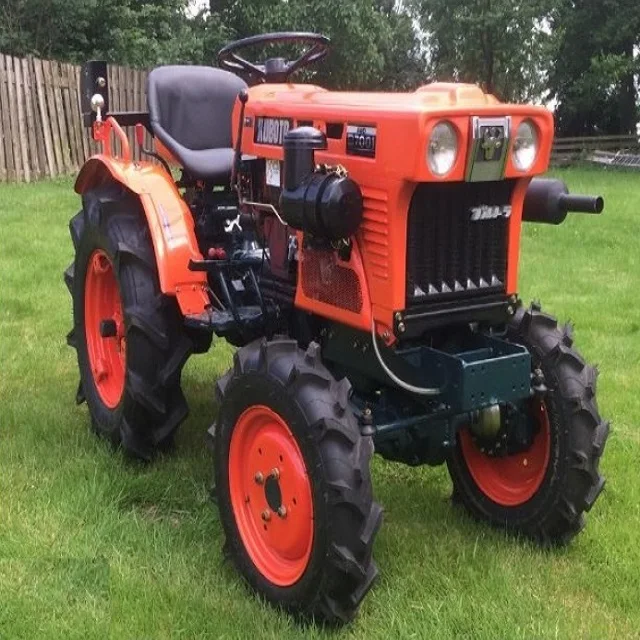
(93, 546)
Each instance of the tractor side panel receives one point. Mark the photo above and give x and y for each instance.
(170, 224)
(513, 238)
(333, 288)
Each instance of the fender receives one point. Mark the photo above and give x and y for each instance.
(169, 220)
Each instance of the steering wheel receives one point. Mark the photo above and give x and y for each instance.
(273, 69)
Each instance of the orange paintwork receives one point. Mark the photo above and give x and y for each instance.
(340, 315)
(164, 153)
(404, 122)
(169, 219)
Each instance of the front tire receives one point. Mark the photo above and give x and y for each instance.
(292, 482)
(543, 492)
(129, 339)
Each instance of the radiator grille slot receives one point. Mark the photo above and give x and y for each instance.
(449, 255)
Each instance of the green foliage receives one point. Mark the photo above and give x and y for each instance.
(124, 31)
(373, 44)
(581, 54)
(593, 76)
(500, 44)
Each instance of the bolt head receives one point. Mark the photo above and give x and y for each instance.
(402, 327)
(282, 511)
(510, 311)
(275, 473)
(398, 316)
(266, 515)
(259, 478)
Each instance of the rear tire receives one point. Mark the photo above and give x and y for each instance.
(550, 508)
(316, 559)
(143, 411)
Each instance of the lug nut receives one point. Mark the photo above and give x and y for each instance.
(259, 478)
(282, 511)
(401, 327)
(275, 473)
(266, 515)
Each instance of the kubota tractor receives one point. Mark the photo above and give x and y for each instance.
(361, 250)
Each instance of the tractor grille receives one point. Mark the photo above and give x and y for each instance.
(449, 255)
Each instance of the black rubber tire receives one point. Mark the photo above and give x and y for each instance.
(572, 483)
(315, 407)
(152, 405)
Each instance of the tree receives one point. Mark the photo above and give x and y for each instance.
(123, 31)
(594, 73)
(373, 44)
(502, 45)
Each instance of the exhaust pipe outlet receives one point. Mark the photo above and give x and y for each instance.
(548, 201)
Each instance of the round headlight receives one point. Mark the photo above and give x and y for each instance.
(525, 146)
(443, 149)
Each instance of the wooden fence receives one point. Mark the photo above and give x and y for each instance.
(41, 132)
(568, 150)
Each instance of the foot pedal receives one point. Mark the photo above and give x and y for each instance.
(221, 322)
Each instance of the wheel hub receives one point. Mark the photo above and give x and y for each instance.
(104, 329)
(510, 476)
(271, 495)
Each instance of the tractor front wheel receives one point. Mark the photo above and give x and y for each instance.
(292, 482)
(541, 491)
(129, 338)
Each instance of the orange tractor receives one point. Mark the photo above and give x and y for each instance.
(361, 250)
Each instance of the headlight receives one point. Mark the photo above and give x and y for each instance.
(525, 146)
(443, 149)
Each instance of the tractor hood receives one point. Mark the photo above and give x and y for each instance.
(390, 130)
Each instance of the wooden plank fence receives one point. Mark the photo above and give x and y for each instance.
(568, 150)
(41, 132)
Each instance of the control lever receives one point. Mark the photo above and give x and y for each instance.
(243, 96)
(149, 152)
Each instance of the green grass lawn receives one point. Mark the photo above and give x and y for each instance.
(93, 546)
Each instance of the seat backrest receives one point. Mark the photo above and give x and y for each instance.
(192, 105)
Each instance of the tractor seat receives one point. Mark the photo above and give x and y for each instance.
(190, 111)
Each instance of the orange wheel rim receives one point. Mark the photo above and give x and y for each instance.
(511, 480)
(271, 495)
(107, 355)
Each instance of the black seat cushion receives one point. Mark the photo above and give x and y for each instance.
(190, 111)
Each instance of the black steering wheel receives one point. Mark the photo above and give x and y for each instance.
(273, 69)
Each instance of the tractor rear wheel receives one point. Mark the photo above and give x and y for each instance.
(292, 482)
(129, 338)
(541, 492)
